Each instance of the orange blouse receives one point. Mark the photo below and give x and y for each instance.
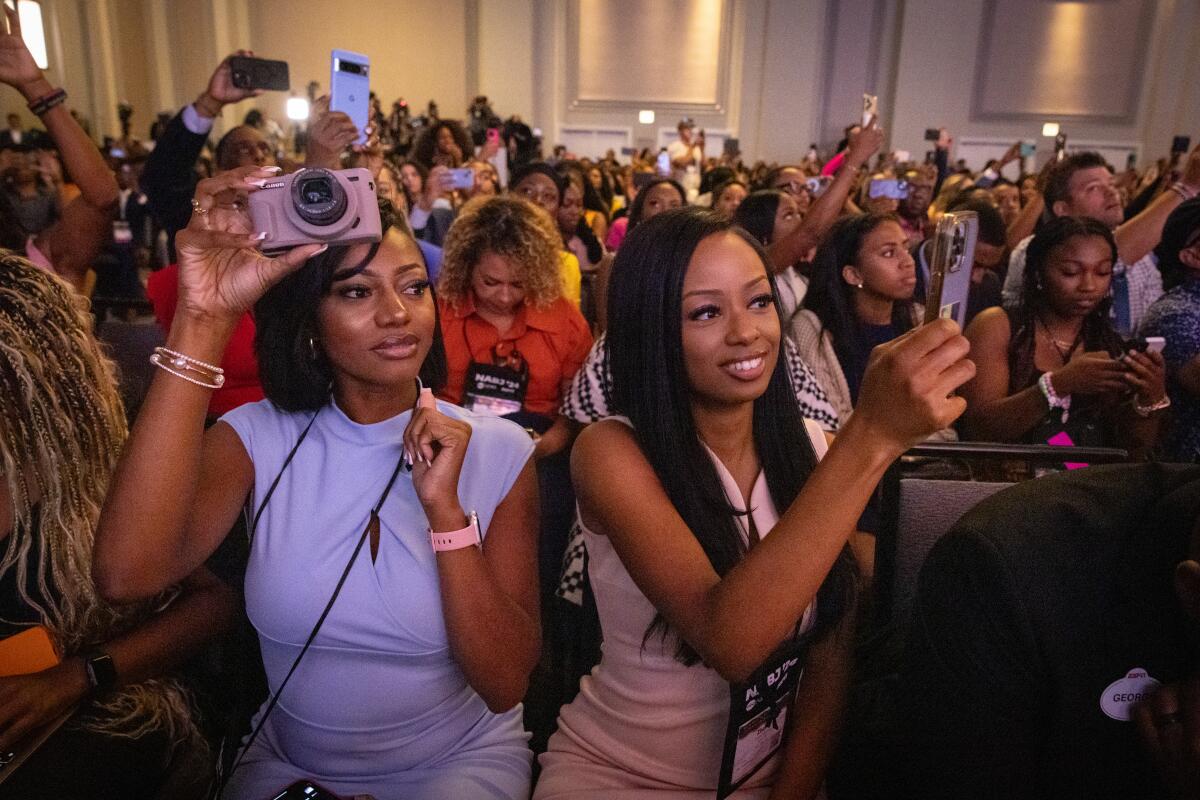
(553, 341)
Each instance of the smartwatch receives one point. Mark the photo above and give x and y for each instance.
(102, 675)
(456, 540)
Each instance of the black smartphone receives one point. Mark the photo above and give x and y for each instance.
(731, 147)
(248, 72)
(1181, 144)
(1131, 161)
(305, 790)
(932, 134)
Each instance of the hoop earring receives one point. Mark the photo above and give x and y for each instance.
(312, 347)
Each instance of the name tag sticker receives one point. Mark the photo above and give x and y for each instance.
(1123, 694)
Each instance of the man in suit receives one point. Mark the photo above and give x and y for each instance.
(1047, 626)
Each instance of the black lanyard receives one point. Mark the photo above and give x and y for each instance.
(372, 525)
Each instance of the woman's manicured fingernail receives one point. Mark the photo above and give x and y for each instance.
(273, 170)
(259, 182)
(324, 247)
(261, 235)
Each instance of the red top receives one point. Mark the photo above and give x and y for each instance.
(240, 364)
(553, 341)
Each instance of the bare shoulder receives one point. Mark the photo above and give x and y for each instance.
(990, 327)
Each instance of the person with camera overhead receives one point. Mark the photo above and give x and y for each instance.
(406, 672)
(1053, 369)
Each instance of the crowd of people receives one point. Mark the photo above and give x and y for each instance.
(567, 486)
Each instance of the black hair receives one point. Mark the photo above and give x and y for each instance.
(253, 118)
(424, 173)
(716, 177)
(831, 298)
(221, 155)
(1097, 333)
(991, 225)
(12, 233)
(650, 387)
(1056, 183)
(757, 214)
(639, 202)
(772, 175)
(539, 168)
(721, 188)
(425, 147)
(295, 376)
(591, 198)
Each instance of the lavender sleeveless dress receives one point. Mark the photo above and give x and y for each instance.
(378, 705)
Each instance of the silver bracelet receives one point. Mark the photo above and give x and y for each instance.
(217, 381)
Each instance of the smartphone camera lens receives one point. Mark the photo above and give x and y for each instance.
(241, 77)
(318, 197)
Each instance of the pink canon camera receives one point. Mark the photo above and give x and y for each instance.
(317, 206)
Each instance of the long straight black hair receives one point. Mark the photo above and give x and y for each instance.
(650, 387)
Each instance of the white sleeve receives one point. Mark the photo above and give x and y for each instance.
(195, 122)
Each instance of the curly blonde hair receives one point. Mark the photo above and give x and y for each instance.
(62, 426)
(507, 226)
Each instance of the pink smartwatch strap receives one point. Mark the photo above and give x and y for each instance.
(456, 540)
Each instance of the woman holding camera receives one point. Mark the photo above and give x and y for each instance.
(1054, 369)
(391, 575)
(719, 556)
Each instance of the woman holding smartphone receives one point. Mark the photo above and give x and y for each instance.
(1054, 369)
(392, 572)
(698, 596)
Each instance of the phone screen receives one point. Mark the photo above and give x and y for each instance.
(462, 178)
(888, 187)
(1028, 149)
(1181, 144)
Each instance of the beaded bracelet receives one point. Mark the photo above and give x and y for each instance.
(1183, 191)
(176, 363)
(48, 101)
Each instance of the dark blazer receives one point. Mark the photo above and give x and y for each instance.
(1029, 617)
(169, 177)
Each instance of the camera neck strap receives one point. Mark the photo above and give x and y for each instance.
(371, 529)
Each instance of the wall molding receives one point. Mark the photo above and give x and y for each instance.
(1132, 106)
(728, 72)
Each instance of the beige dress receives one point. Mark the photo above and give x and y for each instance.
(644, 726)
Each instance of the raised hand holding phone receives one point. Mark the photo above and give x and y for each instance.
(350, 88)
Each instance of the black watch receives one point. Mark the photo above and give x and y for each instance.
(102, 675)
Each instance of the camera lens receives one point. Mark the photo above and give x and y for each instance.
(318, 197)
(241, 77)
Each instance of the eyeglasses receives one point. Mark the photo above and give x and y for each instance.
(252, 148)
(546, 198)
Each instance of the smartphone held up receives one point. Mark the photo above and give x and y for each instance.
(950, 266)
(350, 88)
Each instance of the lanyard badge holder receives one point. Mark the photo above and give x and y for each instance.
(498, 388)
(759, 708)
(371, 528)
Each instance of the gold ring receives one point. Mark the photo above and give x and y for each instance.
(197, 208)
